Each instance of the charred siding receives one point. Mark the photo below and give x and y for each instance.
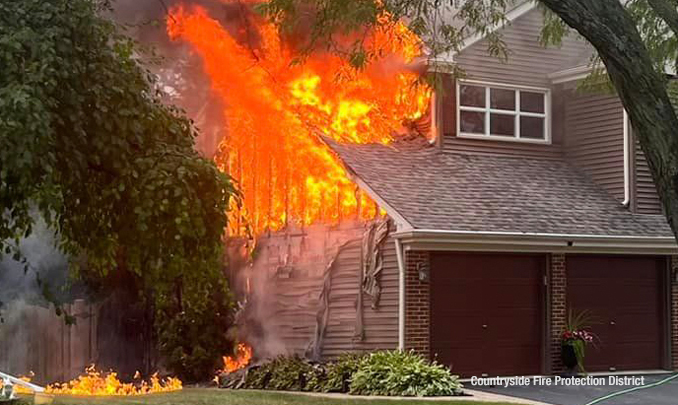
(595, 139)
(380, 324)
(529, 64)
(646, 198)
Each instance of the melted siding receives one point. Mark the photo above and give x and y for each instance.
(380, 324)
(595, 139)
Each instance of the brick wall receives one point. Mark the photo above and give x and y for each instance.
(558, 285)
(674, 314)
(417, 305)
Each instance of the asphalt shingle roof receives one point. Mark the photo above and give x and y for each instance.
(460, 192)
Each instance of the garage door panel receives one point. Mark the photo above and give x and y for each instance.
(623, 294)
(451, 331)
(498, 325)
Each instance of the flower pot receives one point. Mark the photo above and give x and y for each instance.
(568, 356)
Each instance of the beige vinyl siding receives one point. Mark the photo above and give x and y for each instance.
(594, 142)
(646, 199)
(528, 63)
(451, 143)
(380, 324)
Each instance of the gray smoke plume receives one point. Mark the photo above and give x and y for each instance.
(17, 282)
(180, 72)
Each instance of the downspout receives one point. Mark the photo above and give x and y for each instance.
(627, 163)
(401, 295)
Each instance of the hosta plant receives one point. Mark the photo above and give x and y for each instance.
(396, 373)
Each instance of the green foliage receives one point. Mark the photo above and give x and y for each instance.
(387, 373)
(397, 373)
(340, 372)
(341, 26)
(284, 373)
(87, 142)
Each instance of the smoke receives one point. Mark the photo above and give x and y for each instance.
(25, 312)
(44, 258)
(282, 285)
(180, 72)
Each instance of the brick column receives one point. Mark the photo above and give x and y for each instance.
(558, 285)
(674, 314)
(417, 305)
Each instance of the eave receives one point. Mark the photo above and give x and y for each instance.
(441, 240)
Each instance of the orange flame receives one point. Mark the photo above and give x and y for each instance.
(275, 109)
(95, 383)
(240, 360)
(20, 389)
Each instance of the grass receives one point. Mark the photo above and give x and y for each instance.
(213, 396)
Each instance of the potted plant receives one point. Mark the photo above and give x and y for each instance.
(573, 341)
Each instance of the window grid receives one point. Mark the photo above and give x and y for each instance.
(516, 113)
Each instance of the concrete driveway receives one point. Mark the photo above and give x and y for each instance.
(563, 394)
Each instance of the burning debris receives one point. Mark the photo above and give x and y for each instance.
(240, 360)
(275, 109)
(96, 383)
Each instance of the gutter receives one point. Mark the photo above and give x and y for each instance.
(423, 239)
(401, 294)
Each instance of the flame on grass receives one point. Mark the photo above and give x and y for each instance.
(96, 383)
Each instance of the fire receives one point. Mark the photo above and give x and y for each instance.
(275, 108)
(240, 360)
(19, 389)
(95, 383)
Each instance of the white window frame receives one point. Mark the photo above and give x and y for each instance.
(516, 113)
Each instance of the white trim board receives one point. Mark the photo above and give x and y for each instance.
(440, 240)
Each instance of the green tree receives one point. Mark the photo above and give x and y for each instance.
(87, 143)
(636, 40)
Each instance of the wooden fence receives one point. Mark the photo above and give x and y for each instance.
(34, 338)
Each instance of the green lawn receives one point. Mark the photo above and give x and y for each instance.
(207, 396)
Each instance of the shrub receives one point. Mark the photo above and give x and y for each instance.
(284, 373)
(396, 373)
(340, 372)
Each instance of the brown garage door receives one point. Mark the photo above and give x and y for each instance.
(487, 313)
(624, 296)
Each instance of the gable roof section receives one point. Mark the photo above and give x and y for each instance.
(436, 191)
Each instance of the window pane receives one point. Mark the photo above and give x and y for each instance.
(472, 122)
(503, 99)
(472, 96)
(502, 124)
(532, 128)
(531, 102)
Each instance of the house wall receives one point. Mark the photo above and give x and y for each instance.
(558, 313)
(645, 198)
(289, 279)
(449, 141)
(417, 304)
(380, 324)
(528, 64)
(595, 138)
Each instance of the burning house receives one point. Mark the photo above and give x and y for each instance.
(514, 198)
(309, 250)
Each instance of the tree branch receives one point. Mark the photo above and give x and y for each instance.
(666, 12)
(612, 31)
